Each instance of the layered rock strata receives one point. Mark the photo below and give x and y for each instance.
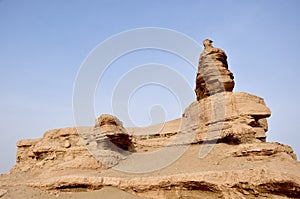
(98, 147)
(228, 117)
(213, 74)
(239, 164)
(58, 149)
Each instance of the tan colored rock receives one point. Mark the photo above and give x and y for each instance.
(81, 147)
(233, 117)
(213, 74)
(56, 147)
(67, 144)
(108, 141)
(222, 136)
(218, 184)
(27, 143)
(112, 127)
(229, 171)
(263, 149)
(109, 120)
(2, 192)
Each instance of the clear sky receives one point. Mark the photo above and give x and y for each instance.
(43, 43)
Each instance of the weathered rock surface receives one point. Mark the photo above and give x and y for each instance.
(263, 149)
(225, 156)
(213, 74)
(58, 149)
(108, 141)
(260, 183)
(264, 170)
(246, 170)
(2, 192)
(113, 128)
(230, 117)
(81, 147)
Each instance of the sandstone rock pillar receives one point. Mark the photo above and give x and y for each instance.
(213, 74)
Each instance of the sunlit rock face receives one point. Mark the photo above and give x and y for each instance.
(213, 74)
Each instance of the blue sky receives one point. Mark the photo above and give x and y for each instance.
(43, 43)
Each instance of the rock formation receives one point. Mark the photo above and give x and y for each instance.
(58, 149)
(113, 129)
(229, 117)
(213, 74)
(220, 114)
(239, 164)
(69, 148)
(108, 142)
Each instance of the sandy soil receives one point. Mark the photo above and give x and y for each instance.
(33, 193)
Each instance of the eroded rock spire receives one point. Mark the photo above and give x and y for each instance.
(213, 74)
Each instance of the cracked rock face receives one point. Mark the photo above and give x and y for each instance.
(232, 118)
(213, 74)
(98, 147)
(58, 149)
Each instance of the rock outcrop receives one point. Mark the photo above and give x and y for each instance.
(58, 149)
(76, 148)
(255, 183)
(223, 135)
(258, 170)
(228, 117)
(213, 74)
(113, 128)
(219, 114)
(108, 142)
